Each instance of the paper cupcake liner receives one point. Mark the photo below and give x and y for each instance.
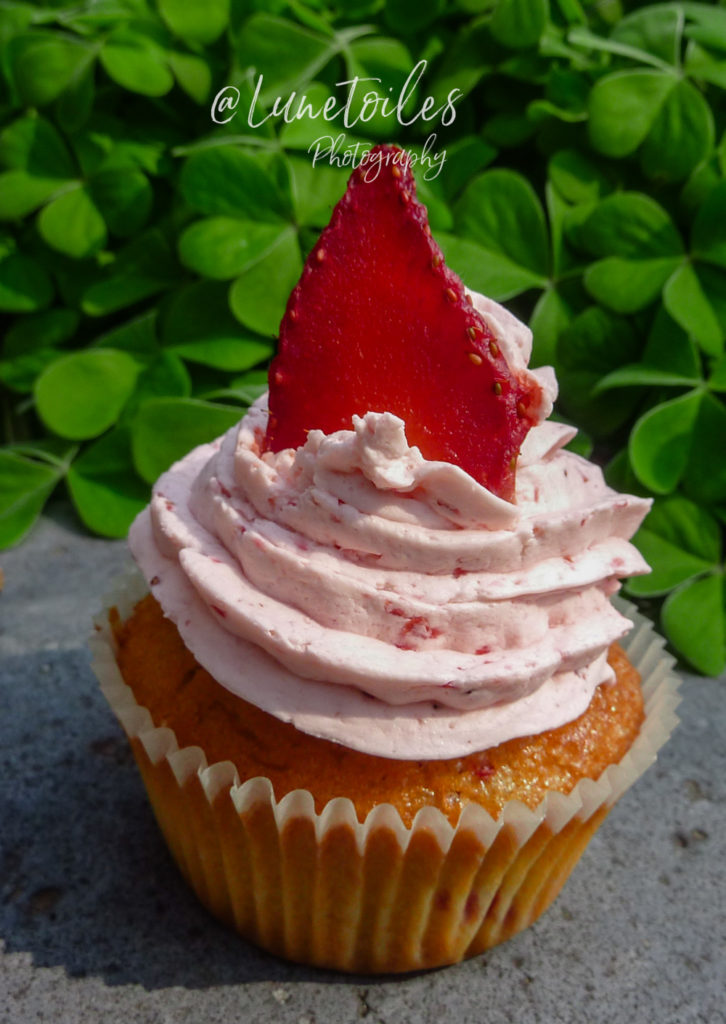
(325, 889)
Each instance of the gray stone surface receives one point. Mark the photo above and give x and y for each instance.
(97, 925)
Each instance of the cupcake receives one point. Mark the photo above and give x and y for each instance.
(374, 675)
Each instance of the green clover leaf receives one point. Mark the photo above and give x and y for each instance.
(196, 23)
(694, 621)
(259, 295)
(223, 247)
(43, 64)
(72, 225)
(25, 485)
(165, 429)
(198, 326)
(680, 540)
(80, 395)
(136, 62)
(656, 110)
(104, 487)
(228, 182)
(660, 444)
(502, 235)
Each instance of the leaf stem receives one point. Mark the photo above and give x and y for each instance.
(584, 38)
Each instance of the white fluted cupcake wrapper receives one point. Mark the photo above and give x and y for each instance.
(326, 889)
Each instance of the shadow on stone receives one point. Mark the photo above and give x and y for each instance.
(86, 880)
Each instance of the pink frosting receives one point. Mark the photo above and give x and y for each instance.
(390, 603)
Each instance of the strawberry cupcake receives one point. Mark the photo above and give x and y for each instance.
(373, 675)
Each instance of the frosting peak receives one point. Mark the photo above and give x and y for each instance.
(376, 449)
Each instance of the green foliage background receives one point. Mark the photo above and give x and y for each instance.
(146, 254)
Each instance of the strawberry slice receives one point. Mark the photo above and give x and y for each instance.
(378, 323)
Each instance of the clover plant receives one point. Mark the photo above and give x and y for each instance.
(147, 251)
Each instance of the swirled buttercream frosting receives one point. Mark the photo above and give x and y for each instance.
(390, 603)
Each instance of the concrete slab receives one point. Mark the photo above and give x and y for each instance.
(96, 923)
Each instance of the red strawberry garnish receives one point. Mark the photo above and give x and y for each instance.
(378, 323)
